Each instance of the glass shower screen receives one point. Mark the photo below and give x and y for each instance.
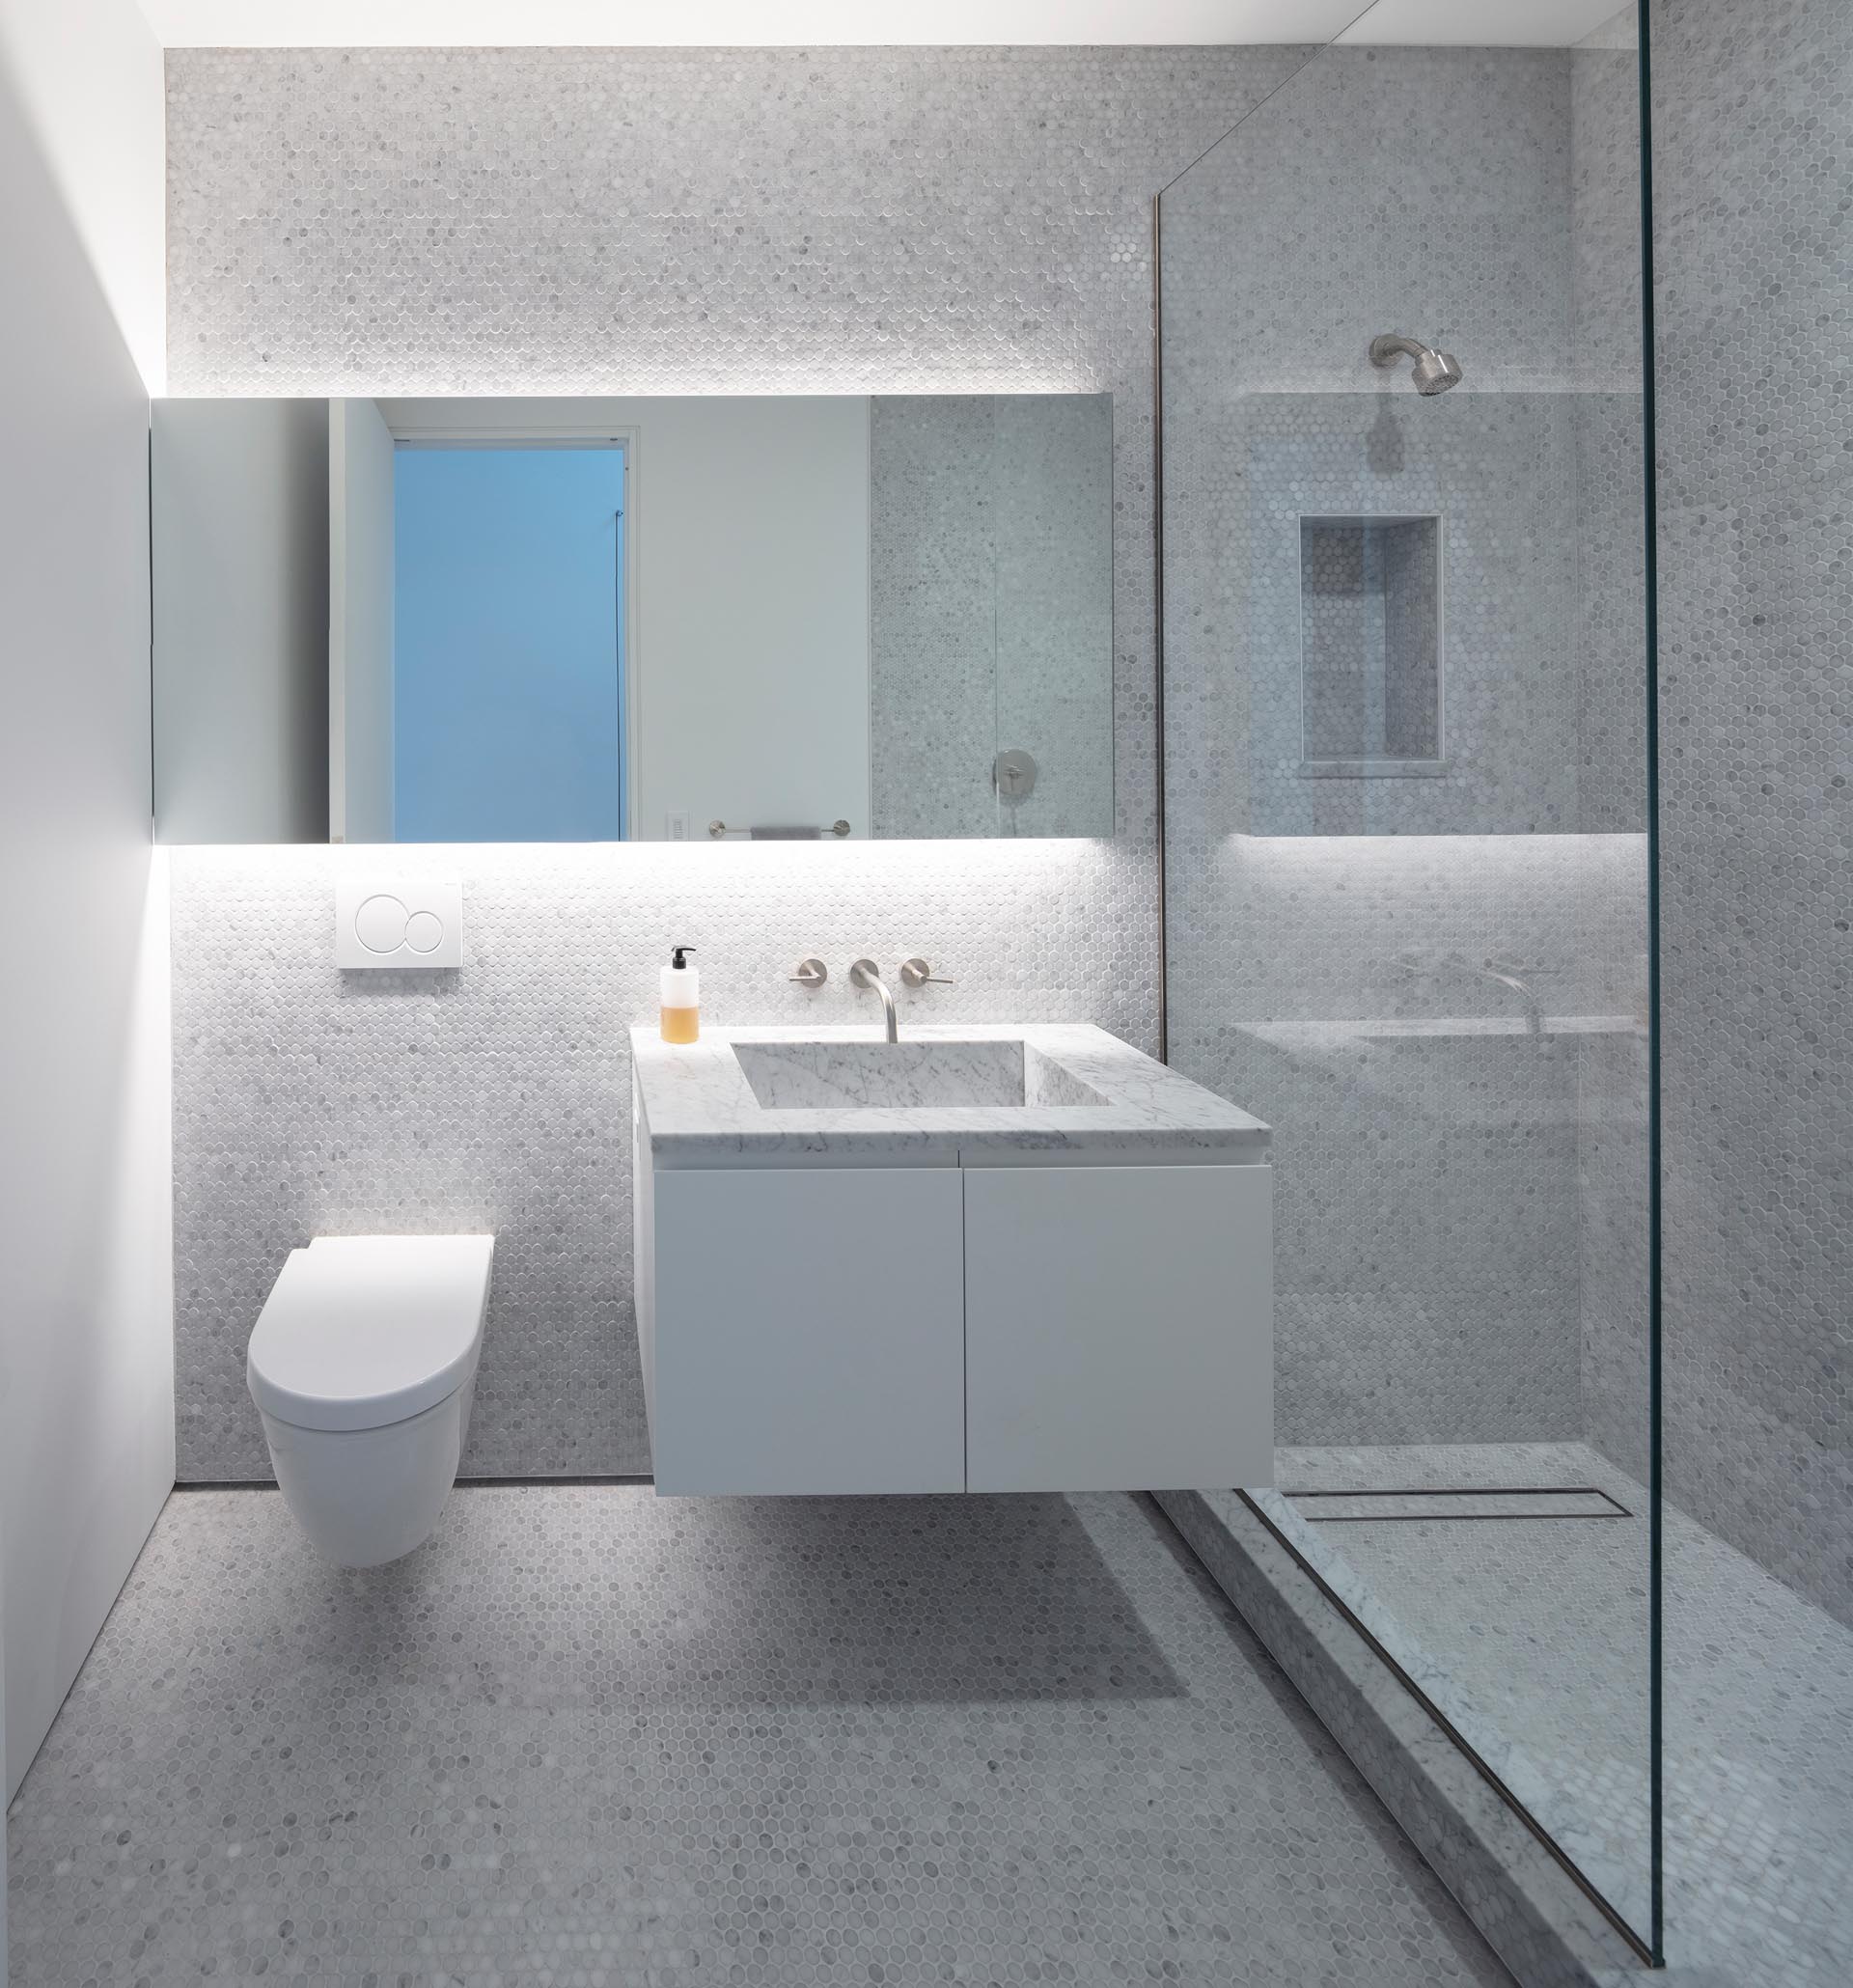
(1407, 857)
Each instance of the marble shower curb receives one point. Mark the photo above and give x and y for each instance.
(1542, 1926)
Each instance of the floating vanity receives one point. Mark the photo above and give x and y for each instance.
(1004, 1258)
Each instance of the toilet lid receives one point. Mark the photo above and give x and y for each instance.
(360, 1331)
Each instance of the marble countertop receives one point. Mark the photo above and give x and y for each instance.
(700, 1109)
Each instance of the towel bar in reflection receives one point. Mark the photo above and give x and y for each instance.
(779, 832)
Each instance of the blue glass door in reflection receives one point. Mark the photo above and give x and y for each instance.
(509, 705)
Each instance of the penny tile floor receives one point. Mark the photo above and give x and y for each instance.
(589, 1736)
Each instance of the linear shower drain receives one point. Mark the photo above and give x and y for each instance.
(1460, 1502)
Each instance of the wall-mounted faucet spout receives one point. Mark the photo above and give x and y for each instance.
(1509, 977)
(867, 974)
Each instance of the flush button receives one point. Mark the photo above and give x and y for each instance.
(380, 923)
(403, 923)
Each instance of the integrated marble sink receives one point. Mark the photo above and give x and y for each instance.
(825, 1094)
(906, 1076)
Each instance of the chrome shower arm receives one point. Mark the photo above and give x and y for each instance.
(1388, 347)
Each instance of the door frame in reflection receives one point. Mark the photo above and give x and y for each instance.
(482, 437)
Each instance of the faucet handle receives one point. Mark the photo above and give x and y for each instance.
(811, 973)
(916, 973)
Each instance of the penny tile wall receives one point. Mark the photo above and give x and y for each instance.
(1754, 152)
(646, 221)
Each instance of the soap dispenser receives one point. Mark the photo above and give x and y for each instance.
(681, 998)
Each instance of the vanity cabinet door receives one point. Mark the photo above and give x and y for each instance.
(1119, 1328)
(809, 1331)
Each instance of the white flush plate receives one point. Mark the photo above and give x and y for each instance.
(397, 923)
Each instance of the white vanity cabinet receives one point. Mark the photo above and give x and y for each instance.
(1119, 1328)
(996, 1260)
(809, 1330)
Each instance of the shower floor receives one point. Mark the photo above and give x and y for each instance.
(589, 1736)
(1530, 1636)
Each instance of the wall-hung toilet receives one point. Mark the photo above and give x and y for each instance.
(363, 1367)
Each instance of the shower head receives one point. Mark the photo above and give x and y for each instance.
(1433, 372)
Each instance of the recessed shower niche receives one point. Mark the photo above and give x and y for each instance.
(1370, 666)
(1380, 577)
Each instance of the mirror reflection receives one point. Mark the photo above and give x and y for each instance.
(633, 618)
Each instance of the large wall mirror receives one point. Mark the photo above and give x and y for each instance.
(632, 619)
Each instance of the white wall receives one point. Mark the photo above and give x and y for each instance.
(749, 637)
(86, 1335)
(92, 90)
(361, 536)
(241, 608)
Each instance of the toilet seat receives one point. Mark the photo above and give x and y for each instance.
(364, 1330)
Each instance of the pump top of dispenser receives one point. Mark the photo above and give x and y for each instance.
(675, 958)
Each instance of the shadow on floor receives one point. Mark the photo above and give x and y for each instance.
(604, 1596)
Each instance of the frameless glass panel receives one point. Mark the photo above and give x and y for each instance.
(1406, 860)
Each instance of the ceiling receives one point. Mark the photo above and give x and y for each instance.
(856, 23)
(1482, 23)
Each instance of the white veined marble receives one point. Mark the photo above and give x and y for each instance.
(700, 1104)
